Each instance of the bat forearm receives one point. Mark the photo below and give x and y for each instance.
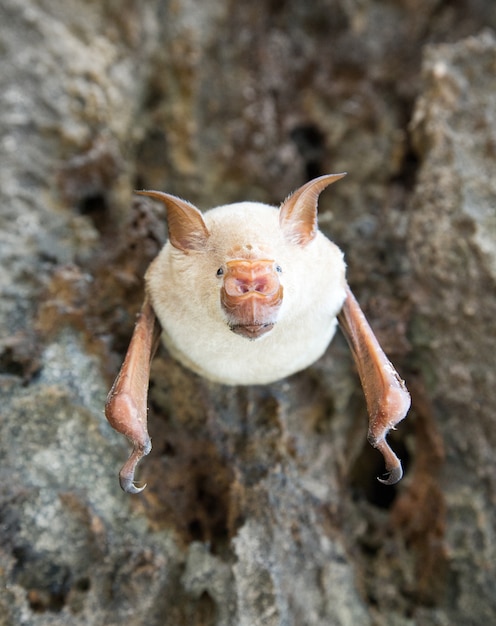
(385, 392)
(126, 405)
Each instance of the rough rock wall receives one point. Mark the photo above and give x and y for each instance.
(262, 505)
(451, 245)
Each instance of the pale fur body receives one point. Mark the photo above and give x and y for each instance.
(184, 289)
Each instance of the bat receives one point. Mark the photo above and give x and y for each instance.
(246, 294)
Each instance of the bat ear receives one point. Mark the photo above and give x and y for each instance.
(187, 230)
(298, 213)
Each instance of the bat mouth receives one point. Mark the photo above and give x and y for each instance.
(252, 331)
(251, 296)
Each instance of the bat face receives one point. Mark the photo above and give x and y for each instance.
(248, 294)
(249, 305)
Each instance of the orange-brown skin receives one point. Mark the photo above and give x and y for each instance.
(251, 296)
(386, 394)
(248, 294)
(125, 407)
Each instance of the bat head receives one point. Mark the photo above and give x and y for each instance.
(245, 249)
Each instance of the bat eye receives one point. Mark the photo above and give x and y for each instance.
(220, 271)
(278, 269)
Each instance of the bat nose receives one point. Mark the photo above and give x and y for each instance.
(251, 296)
(255, 277)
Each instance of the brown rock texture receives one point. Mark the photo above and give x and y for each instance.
(262, 506)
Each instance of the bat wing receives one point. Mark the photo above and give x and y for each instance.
(126, 405)
(385, 392)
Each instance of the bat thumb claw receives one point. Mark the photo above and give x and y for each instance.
(393, 464)
(127, 485)
(393, 476)
(126, 475)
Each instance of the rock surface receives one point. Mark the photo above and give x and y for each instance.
(262, 505)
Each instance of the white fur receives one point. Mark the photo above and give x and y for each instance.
(185, 294)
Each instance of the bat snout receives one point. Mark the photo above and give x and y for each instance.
(251, 296)
(260, 279)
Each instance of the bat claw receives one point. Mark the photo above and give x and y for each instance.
(126, 475)
(394, 471)
(127, 485)
(393, 476)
